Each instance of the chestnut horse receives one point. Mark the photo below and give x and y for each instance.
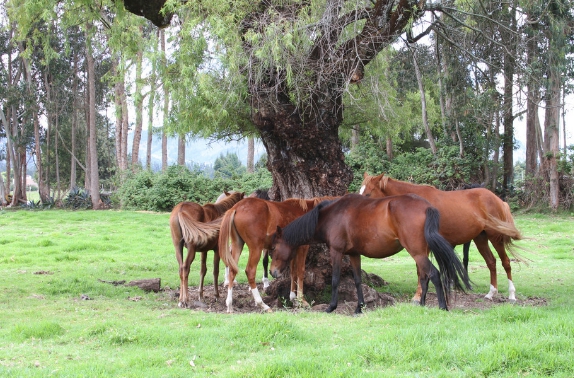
(472, 214)
(197, 227)
(252, 222)
(355, 225)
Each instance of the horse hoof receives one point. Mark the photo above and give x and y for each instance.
(330, 309)
(182, 305)
(415, 302)
(511, 301)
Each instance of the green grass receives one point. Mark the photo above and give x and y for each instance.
(47, 330)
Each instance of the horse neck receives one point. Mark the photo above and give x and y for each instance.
(395, 187)
(224, 205)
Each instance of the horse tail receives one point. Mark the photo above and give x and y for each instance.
(451, 269)
(302, 230)
(504, 225)
(226, 234)
(200, 234)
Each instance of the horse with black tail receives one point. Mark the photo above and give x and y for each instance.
(358, 226)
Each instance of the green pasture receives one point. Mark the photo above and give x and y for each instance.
(49, 259)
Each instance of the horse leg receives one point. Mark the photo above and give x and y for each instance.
(498, 244)
(356, 267)
(298, 273)
(179, 256)
(236, 248)
(250, 271)
(202, 273)
(265, 268)
(216, 259)
(184, 275)
(417, 297)
(465, 250)
(336, 259)
(481, 242)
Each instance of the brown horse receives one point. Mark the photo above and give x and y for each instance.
(473, 214)
(252, 222)
(355, 225)
(197, 227)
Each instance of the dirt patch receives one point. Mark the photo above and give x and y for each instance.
(243, 300)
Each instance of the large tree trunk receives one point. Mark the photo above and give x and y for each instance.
(92, 141)
(551, 137)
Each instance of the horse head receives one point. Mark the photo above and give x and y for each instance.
(373, 186)
(281, 253)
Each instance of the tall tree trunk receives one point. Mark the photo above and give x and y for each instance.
(496, 154)
(74, 126)
(355, 137)
(439, 75)
(389, 145)
(150, 127)
(118, 110)
(42, 190)
(551, 137)
(508, 116)
(138, 103)
(250, 154)
(165, 111)
(3, 190)
(533, 95)
(426, 125)
(181, 150)
(92, 141)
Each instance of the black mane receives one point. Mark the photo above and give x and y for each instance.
(302, 229)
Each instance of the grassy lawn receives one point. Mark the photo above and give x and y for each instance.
(49, 259)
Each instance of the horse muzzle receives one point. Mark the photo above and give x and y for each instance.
(276, 273)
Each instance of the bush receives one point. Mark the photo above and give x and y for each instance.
(77, 199)
(161, 191)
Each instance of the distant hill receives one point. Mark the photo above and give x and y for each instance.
(197, 152)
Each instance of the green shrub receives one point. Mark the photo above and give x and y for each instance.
(161, 191)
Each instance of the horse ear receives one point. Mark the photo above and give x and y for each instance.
(226, 193)
(279, 232)
(365, 175)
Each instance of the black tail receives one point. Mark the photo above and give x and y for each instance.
(451, 269)
(302, 230)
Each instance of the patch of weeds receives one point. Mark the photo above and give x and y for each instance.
(42, 330)
(122, 338)
(66, 257)
(45, 243)
(5, 241)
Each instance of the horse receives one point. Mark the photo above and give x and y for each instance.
(471, 214)
(197, 227)
(252, 222)
(263, 194)
(377, 228)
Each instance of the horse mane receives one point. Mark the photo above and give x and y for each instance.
(302, 229)
(261, 194)
(228, 202)
(384, 181)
